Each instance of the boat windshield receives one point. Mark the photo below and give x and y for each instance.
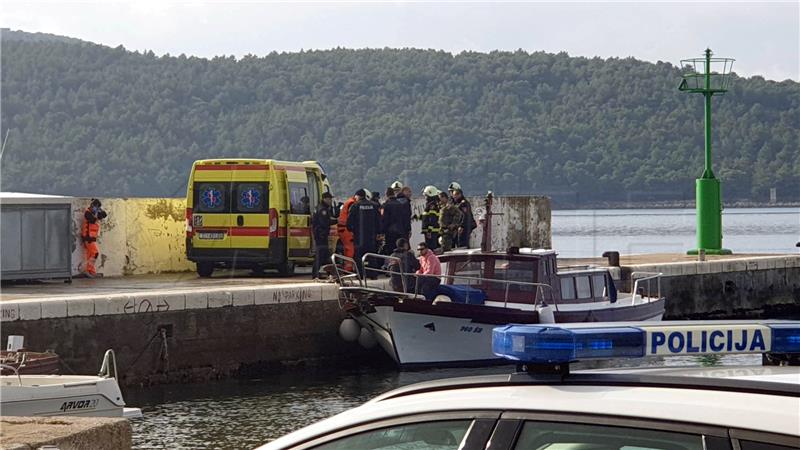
(489, 269)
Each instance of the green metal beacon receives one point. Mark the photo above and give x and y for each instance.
(713, 79)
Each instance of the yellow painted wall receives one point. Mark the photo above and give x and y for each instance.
(140, 236)
(147, 235)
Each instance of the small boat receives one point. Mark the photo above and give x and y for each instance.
(481, 289)
(29, 363)
(65, 395)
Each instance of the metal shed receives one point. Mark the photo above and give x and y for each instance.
(36, 237)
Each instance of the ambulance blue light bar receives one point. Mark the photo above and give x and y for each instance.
(558, 344)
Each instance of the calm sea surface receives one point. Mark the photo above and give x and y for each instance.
(248, 413)
(590, 232)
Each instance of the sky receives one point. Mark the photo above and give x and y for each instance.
(763, 37)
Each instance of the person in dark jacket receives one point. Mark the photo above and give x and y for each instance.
(396, 221)
(321, 223)
(408, 265)
(376, 197)
(364, 221)
(467, 218)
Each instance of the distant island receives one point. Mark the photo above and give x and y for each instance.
(86, 119)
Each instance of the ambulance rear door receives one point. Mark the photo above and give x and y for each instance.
(249, 218)
(211, 206)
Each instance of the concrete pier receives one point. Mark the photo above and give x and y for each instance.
(178, 328)
(722, 287)
(167, 329)
(64, 433)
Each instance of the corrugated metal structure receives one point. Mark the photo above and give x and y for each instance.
(36, 237)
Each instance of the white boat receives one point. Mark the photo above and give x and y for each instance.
(478, 290)
(481, 290)
(65, 395)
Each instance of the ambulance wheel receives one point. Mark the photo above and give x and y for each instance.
(205, 269)
(286, 269)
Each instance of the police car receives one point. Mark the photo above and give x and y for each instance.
(545, 405)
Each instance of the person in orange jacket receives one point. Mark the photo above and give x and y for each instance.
(345, 235)
(89, 233)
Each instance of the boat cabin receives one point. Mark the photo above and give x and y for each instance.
(520, 276)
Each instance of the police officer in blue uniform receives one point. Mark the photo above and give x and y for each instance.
(364, 221)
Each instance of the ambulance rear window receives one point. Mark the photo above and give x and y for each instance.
(251, 198)
(212, 197)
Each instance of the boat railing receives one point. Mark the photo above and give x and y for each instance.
(109, 367)
(544, 292)
(347, 275)
(643, 285)
(13, 369)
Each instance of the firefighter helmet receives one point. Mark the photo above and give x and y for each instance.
(396, 185)
(430, 191)
(454, 186)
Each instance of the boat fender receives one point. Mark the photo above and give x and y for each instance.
(442, 299)
(546, 314)
(366, 339)
(349, 330)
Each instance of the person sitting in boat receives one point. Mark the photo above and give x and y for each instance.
(431, 268)
(408, 265)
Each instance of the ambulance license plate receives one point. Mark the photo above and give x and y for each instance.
(211, 235)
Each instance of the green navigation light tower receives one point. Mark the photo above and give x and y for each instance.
(713, 78)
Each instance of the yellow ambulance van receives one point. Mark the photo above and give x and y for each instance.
(252, 213)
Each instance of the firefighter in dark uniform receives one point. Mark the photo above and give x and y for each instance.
(449, 221)
(364, 221)
(430, 218)
(321, 223)
(467, 218)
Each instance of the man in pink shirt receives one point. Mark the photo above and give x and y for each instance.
(429, 265)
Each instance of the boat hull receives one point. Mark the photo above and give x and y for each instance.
(48, 396)
(419, 334)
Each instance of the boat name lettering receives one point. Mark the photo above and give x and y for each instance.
(723, 340)
(467, 329)
(79, 404)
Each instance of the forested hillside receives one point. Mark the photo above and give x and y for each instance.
(92, 120)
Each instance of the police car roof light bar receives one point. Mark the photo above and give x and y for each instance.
(554, 345)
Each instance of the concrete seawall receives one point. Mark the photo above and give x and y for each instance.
(196, 332)
(755, 287)
(186, 336)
